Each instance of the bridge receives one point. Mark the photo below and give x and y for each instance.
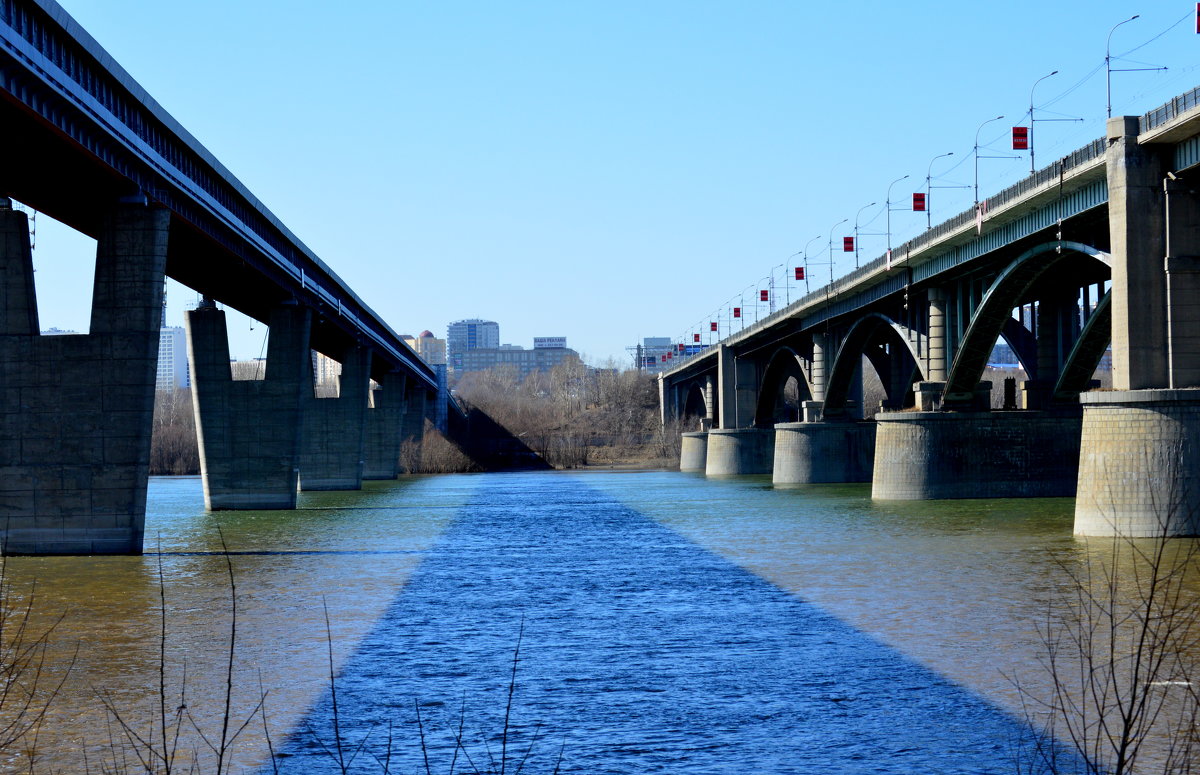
(1099, 249)
(86, 145)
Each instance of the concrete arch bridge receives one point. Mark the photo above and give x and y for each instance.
(1098, 251)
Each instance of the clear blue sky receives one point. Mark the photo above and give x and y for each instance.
(612, 170)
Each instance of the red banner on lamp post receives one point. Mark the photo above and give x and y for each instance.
(918, 203)
(764, 295)
(695, 337)
(799, 273)
(1020, 138)
(737, 312)
(847, 244)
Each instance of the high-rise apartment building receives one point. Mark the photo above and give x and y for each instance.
(172, 359)
(465, 335)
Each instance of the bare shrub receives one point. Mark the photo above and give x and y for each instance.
(173, 445)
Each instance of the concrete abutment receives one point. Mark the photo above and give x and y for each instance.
(333, 449)
(1139, 468)
(823, 452)
(693, 451)
(249, 431)
(944, 455)
(738, 451)
(76, 412)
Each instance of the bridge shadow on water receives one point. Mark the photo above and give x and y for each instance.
(641, 653)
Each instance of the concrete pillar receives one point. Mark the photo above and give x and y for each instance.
(1183, 283)
(693, 451)
(1136, 220)
(823, 452)
(935, 366)
(726, 388)
(937, 455)
(412, 428)
(333, 443)
(820, 363)
(76, 412)
(710, 400)
(1139, 468)
(384, 425)
(249, 430)
(737, 451)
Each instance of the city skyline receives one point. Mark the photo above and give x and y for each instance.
(611, 174)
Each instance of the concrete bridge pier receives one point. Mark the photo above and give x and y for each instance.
(693, 451)
(76, 412)
(823, 452)
(332, 453)
(736, 451)
(384, 421)
(249, 430)
(1139, 471)
(412, 424)
(939, 455)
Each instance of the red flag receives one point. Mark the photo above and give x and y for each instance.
(695, 337)
(799, 273)
(764, 295)
(918, 203)
(1020, 138)
(680, 346)
(712, 326)
(847, 244)
(737, 312)
(671, 354)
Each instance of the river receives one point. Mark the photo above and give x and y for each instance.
(666, 623)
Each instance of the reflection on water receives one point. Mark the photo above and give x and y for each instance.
(672, 623)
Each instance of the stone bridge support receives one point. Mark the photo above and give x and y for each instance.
(250, 430)
(693, 451)
(936, 455)
(76, 412)
(385, 419)
(738, 451)
(412, 425)
(823, 452)
(332, 450)
(1139, 471)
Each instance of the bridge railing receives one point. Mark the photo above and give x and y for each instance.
(1165, 113)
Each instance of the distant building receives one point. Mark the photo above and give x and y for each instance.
(325, 370)
(431, 349)
(172, 360)
(542, 342)
(462, 336)
(655, 354)
(524, 361)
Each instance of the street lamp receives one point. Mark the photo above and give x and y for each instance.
(1031, 119)
(1108, 60)
(839, 223)
(864, 207)
(975, 150)
(888, 206)
(807, 288)
(929, 189)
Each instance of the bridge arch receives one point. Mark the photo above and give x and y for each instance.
(996, 307)
(1086, 354)
(695, 406)
(785, 365)
(875, 328)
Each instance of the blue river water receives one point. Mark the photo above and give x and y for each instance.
(666, 623)
(640, 652)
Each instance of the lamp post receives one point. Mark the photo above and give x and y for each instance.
(839, 223)
(807, 287)
(929, 189)
(1031, 119)
(975, 150)
(1108, 60)
(864, 207)
(888, 206)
